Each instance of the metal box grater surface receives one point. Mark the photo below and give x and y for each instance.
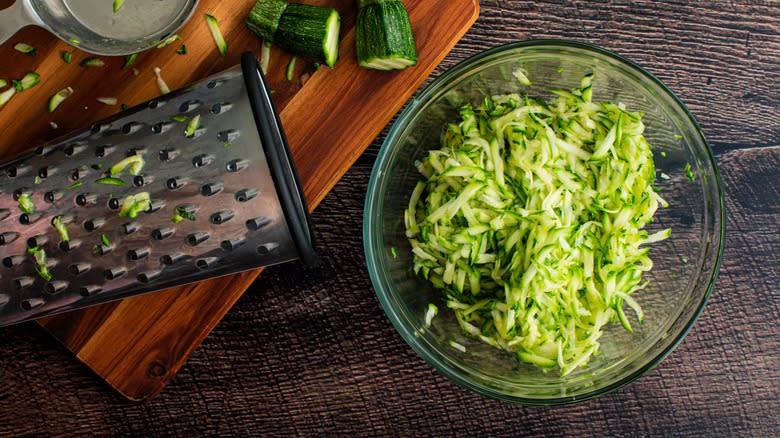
(223, 197)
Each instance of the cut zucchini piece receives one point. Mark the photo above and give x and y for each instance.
(307, 31)
(117, 5)
(130, 60)
(383, 36)
(263, 19)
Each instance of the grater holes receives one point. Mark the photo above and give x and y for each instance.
(23, 282)
(147, 277)
(8, 237)
(14, 260)
(131, 127)
(32, 303)
(129, 227)
(162, 233)
(85, 199)
(100, 249)
(79, 268)
(176, 182)
(70, 245)
(195, 239)
(88, 291)
(245, 195)
(45, 172)
(203, 160)
(114, 203)
(206, 262)
(114, 273)
(212, 188)
(29, 218)
(169, 259)
(18, 170)
(154, 103)
(255, 224)
(142, 180)
(104, 150)
(4, 213)
(78, 173)
(219, 108)
(231, 244)
(45, 150)
(4, 299)
(155, 206)
(221, 217)
(74, 149)
(227, 136)
(100, 127)
(267, 248)
(189, 105)
(138, 254)
(168, 154)
(55, 287)
(138, 150)
(94, 224)
(214, 83)
(53, 196)
(161, 127)
(237, 165)
(37, 241)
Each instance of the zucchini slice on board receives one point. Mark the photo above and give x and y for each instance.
(383, 35)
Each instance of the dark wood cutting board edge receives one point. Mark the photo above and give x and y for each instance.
(134, 344)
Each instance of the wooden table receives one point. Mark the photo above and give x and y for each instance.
(309, 351)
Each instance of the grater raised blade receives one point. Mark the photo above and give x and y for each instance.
(223, 198)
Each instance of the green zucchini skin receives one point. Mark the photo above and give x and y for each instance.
(263, 19)
(307, 30)
(383, 35)
(304, 30)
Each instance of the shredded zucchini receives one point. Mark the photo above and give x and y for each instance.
(530, 218)
(39, 256)
(62, 228)
(26, 204)
(133, 164)
(134, 204)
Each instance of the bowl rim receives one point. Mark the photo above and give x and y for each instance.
(384, 296)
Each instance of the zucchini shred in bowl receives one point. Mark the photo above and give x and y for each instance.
(684, 265)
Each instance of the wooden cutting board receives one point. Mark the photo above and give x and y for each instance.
(330, 117)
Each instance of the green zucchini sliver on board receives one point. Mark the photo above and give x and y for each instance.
(530, 218)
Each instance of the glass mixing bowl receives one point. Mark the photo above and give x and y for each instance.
(685, 265)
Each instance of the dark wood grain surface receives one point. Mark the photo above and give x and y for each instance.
(308, 351)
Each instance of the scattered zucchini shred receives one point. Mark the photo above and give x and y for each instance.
(58, 98)
(104, 240)
(117, 5)
(26, 204)
(26, 49)
(170, 40)
(133, 204)
(29, 80)
(39, 257)
(531, 219)
(93, 61)
(689, 172)
(192, 126)
(67, 57)
(134, 164)
(130, 60)
(62, 228)
(161, 82)
(213, 25)
(182, 50)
